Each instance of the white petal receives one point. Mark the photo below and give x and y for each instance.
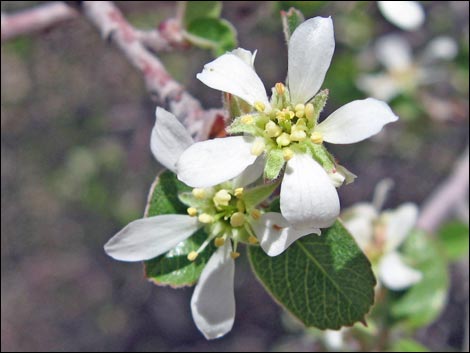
(395, 274)
(246, 55)
(334, 339)
(169, 139)
(361, 229)
(275, 234)
(150, 237)
(394, 52)
(381, 86)
(212, 162)
(213, 300)
(407, 15)
(441, 48)
(250, 174)
(229, 73)
(308, 198)
(311, 48)
(399, 225)
(356, 121)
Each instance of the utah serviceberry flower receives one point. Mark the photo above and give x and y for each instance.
(229, 214)
(284, 129)
(380, 234)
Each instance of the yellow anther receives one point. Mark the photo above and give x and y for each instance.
(192, 256)
(272, 129)
(192, 211)
(219, 242)
(221, 198)
(280, 88)
(253, 240)
(299, 110)
(283, 139)
(260, 106)
(247, 119)
(238, 192)
(316, 137)
(285, 114)
(298, 135)
(234, 255)
(257, 148)
(205, 218)
(237, 219)
(309, 110)
(256, 214)
(199, 193)
(287, 153)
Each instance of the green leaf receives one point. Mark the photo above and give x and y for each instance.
(201, 9)
(422, 303)
(254, 196)
(212, 33)
(274, 163)
(173, 268)
(408, 345)
(290, 21)
(454, 239)
(325, 281)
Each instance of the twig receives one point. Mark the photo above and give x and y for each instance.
(108, 19)
(35, 19)
(447, 198)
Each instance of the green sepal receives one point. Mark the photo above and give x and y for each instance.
(274, 163)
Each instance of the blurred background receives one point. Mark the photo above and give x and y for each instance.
(76, 167)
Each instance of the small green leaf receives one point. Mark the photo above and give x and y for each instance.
(173, 268)
(274, 163)
(201, 9)
(325, 281)
(454, 239)
(254, 196)
(408, 345)
(212, 33)
(290, 21)
(422, 303)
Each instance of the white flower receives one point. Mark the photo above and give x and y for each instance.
(285, 128)
(404, 73)
(227, 218)
(407, 15)
(380, 236)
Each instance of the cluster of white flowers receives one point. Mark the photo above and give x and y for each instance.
(282, 139)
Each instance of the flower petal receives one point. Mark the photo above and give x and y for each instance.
(275, 234)
(407, 15)
(250, 174)
(147, 238)
(394, 52)
(169, 139)
(212, 162)
(361, 229)
(381, 86)
(308, 198)
(399, 225)
(356, 121)
(246, 55)
(311, 48)
(213, 300)
(230, 73)
(441, 48)
(395, 274)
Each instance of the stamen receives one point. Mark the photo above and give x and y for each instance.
(238, 192)
(283, 140)
(253, 240)
(280, 88)
(247, 119)
(234, 255)
(299, 110)
(192, 211)
(259, 106)
(199, 193)
(219, 242)
(287, 153)
(192, 256)
(258, 147)
(298, 135)
(237, 219)
(316, 137)
(222, 198)
(205, 218)
(272, 129)
(255, 214)
(309, 111)
(240, 206)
